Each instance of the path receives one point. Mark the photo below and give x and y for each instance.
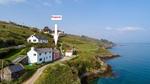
(40, 71)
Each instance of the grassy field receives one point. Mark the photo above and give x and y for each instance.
(60, 73)
(11, 34)
(88, 49)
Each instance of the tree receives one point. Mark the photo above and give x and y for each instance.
(4, 26)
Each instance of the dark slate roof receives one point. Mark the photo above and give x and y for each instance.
(15, 68)
(40, 37)
(20, 58)
(42, 50)
(46, 29)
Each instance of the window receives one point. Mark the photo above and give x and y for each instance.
(34, 40)
(45, 52)
(49, 56)
(39, 53)
(40, 59)
(49, 51)
(34, 54)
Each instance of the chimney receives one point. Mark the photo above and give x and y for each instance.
(32, 48)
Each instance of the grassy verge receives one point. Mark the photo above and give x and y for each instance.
(16, 53)
(58, 73)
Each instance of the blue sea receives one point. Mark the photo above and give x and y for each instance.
(133, 67)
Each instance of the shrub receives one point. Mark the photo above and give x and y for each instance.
(58, 74)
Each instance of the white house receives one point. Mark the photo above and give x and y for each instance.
(37, 39)
(39, 55)
(69, 53)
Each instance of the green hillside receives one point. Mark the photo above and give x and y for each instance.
(89, 50)
(11, 34)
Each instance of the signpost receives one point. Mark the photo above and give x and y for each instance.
(56, 33)
(56, 17)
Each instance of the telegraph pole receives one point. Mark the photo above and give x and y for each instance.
(2, 70)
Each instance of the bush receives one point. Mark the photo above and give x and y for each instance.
(58, 74)
(6, 53)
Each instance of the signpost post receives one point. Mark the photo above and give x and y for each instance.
(56, 33)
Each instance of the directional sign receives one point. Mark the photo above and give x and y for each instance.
(56, 17)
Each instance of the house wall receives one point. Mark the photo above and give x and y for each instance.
(46, 32)
(6, 74)
(31, 57)
(56, 55)
(32, 38)
(68, 53)
(43, 41)
(39, 57)
(44, 57)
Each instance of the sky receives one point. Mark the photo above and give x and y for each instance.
(120, 21)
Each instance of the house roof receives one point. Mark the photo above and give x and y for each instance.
(40, 37)
(46, 29)
(19, 59)
(14, 68)
(69, 51)
(56, 51)
(42, 50)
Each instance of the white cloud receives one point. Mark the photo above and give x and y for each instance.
(109, 28)
(11, 1)
(44, 2)
(125, 29)
(130, 29)
(51, 2)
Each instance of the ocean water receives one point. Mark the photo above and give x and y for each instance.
(133, 67)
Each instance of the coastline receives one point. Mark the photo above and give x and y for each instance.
(80, 70)
(105, 72)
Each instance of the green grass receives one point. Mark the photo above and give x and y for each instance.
(5, 63)
(58, 73)
(11, 35)
(86, 61)
(16, 54)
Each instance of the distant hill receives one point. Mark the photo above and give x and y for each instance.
(12, 34)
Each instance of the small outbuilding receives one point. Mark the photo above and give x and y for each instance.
(69, 52)
(11, 72)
